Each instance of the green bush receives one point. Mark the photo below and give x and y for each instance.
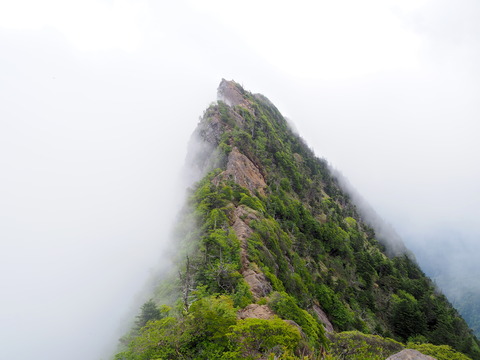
(354, 345)
(252, 202)
(199, 334)
(286, 307)
(242, 295)
(256, 337)
(439, 352)
(340, 315)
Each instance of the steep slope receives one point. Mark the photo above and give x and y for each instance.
(269, 234)
(469, 306)
(455, 274)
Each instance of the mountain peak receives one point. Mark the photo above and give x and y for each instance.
(270, 243)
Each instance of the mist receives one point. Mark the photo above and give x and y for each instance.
(99, 100)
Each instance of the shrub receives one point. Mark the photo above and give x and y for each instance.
(439, 352)
(255, 337)
(355, 345)
(286, 306)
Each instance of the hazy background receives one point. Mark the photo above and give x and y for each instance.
(99, 98)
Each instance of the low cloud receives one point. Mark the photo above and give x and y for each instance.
(92, 143)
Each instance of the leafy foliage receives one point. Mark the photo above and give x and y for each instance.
(255, 337)
(439, 352)
(210, 330)
(286, 306)
(357, 346)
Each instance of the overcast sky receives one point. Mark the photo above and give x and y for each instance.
(99, 98)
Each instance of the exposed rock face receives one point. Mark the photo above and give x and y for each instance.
(256, 311)
(409, 354)
(202, 149)
(212, 132)
(241, 218)
(258, 283)
(244, 172)
(323, 318)
(256, 280)
(231, 94)
(244, 214)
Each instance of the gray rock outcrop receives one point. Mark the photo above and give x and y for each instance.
(409, 354)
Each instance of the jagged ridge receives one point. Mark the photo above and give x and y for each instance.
(276, 235)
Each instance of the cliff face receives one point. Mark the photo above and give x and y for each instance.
(271, 247)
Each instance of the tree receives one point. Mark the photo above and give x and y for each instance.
(149, 312)
(407, 318)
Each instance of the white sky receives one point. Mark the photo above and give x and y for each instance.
(99, 98)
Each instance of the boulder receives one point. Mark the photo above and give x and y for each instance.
(409, 354)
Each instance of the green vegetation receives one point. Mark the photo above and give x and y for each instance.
(286, 307)
(306, 245)
(210, 330)
(357, 346)
(254, 337)
(439, 352)
(149, 312)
